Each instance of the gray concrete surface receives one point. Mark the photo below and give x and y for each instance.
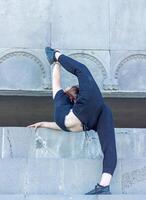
(95, 197)
(23, 142)
(68, 176)
(108, 36)
(54, 162)
(72, 197)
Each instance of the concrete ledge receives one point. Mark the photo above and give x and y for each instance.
(72, 197)
(23, 142)
(110, 93)
(84, 197)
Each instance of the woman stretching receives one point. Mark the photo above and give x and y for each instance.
(82, 108)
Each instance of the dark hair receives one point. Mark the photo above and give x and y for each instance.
(76, 88)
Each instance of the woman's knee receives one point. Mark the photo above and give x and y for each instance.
(82, 68)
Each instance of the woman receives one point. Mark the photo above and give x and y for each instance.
(82, 108)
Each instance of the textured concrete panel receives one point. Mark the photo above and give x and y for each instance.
(25, 24)
(97, 62)
(80, 25)
(22, 70)
(132, 143)
(56, 144)
(128, 69)
(66, 176)
(12, 197)
(17, 142)
(1, 141)
(43, 176)
(12, 173)
(127, 24)
(85, 175)
(46, 143)
(47, 172)
(134, 176)
(53, 144)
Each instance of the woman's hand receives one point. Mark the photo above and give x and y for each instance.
(36, 125)
(51, 125)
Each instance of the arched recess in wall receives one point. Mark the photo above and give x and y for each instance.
(130, 73)
(95, 66)
(20, 70)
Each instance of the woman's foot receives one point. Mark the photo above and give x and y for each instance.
(51, 54)
(99, 189)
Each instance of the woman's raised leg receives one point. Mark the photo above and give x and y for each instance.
(86, 81)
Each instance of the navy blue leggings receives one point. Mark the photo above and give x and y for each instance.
(92, 111)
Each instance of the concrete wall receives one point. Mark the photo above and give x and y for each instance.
(50, 162)
(108, 36)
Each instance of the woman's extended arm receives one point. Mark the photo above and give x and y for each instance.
(56, 85)
(51, 125)
(56, 78)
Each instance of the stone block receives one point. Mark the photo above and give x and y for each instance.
(127, 25)
(17, 142)
(56, 144)
(66, 176)
(80, 25)
(25, 24)
(131, 143)
(52, 144)
(43, 176)
(128, 70)
(12, 176)
(30, 66)
(85, 175)
(133, 176)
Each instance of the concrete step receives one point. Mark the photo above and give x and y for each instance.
(24, 142)
(73, 197)
(68, 176)
(84, 197)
